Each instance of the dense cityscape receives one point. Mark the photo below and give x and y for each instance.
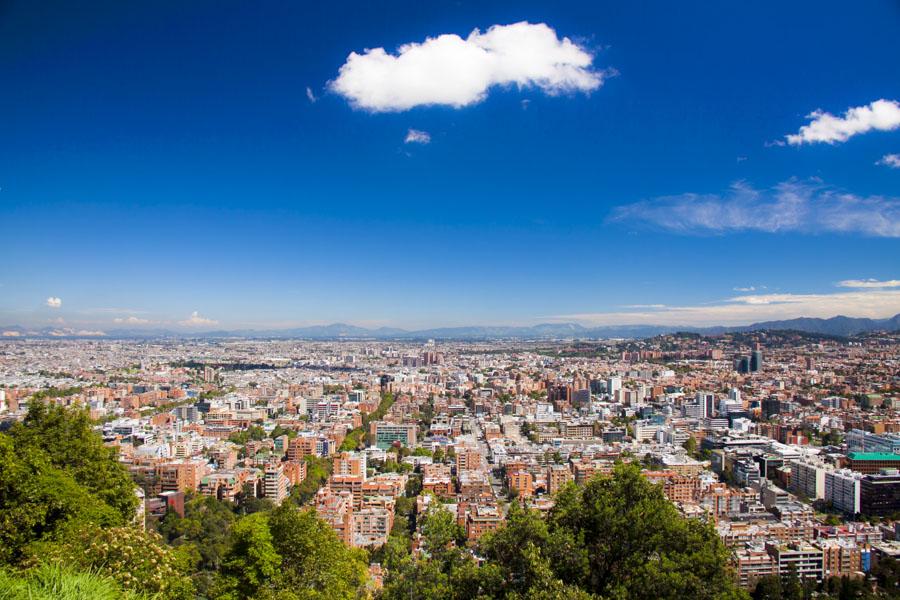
(786, 444)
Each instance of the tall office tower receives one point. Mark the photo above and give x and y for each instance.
(735, 394)
(756, 361)
(707, 402)
(613, 385)
(742, 364)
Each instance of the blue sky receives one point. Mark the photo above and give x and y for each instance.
(223, 164)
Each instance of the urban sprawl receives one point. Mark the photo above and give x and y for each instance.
(788, 443)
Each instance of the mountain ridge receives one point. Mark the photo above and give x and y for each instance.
(839, 325)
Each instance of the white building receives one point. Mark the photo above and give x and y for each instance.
(842, 489)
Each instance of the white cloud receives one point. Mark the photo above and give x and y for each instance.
(643, 306)
(415, 136)
(890, 160)
(132, 320)
(54, 302)
(882, 115)
(791, 206)
(750, 288)
(310, 96)
(452, 71)
(742, 310)
(195, 320)
(869, 283)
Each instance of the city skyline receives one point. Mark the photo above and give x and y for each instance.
(225, 167)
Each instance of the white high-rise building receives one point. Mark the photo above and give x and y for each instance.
(707, 402)
(808, 478)
(842, 489)
(613, 386)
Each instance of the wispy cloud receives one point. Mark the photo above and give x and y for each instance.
(195, 320)
(792, 206)
(749, 288)
(643, 306)
(451, 71)
(54, 302)
(310, 95)
(751, 308)
(890, 160)
(415, 136)
(132, 320)
(881, 115)
(869, 283)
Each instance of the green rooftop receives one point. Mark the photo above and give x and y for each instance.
(873, 456)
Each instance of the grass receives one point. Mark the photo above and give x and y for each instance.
(54, 582)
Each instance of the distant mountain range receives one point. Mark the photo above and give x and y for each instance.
(839, 326)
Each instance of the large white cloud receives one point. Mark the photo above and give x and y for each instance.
(791, 206)
(457, 72)
(882, 115)
(195, 320)
(54, 302)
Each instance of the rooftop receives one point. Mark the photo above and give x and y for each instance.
(873, 456)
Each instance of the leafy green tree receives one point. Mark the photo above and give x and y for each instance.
(38, 500)
(887, 573)
(280, 431)
(204, 533)
(67, 438)
(315, 563)
(248, 503)
(636, 543)
(524, 550)
(318, 470)
(768, 587)
(422, 579)
(251, 564)
(440, 533)
(691, 446)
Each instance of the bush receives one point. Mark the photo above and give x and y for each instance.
(139, 561)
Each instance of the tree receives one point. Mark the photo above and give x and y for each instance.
(67, 438)
(530, 559)
(315, 563)
(440, 532)
(204, 531)
(636, 543)
(37, 500)
(248, 503)
(691, 446)
(768, 587)
(252, 561)
(318, 470)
